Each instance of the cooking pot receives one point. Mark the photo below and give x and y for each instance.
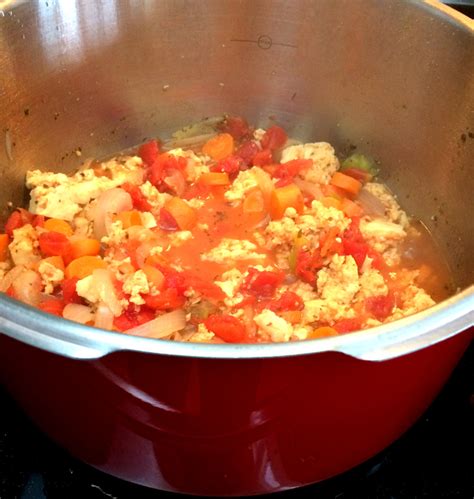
(392, 79)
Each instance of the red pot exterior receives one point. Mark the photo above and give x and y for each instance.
(225, 427)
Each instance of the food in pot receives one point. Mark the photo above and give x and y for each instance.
(238, 235)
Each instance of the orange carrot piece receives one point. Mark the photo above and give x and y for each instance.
(351, 209)
(219, 147)
(322, 332)
(283, 198)
(129, 218)
(57, 261)
(84, 266)
(331, 202)
(215, 178)
(58, 225)
(154, 276)
(348, 184)
(84, 247)
(185, 216)
(4, 240)
(254, 202)
(292, 316)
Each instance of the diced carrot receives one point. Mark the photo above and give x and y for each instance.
(327, 242)
(154, 276)
(285, 197)
(254, 202)
(155, 260)
(214, 178)
(58, 225)
(333, 191)
(185, 216)
(84, 266)
(349, 184)
(4, 240)
(57, 261)
(219, 147)
(351, 209)
(129, 218)
(322, 332)
(84, 247)
(292, 316)
(331, 202)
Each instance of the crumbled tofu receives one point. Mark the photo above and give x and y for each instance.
(195, 203)
(4, 268)
(203, 335)
(230, 283)
(414, 299)
(155, 198)
(301, 332)
(125, 169)
(51, 276)
(304, 290)
(337, 286)
(195, 165)
(83, 227)
(325, 162)
(281, 232)
(232, 250)
(258, 134)
(117, 235)
(372, 283)
(135, 285)
(179, 237)
(58, 196)
(393, 212)
(245, 182)
(271, 324)
(148, 220)
(24, 247)
(381, 234)
(95, 288)
(203, 226)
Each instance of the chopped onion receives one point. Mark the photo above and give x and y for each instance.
(27, 287)
(10, 277)
(264, 183)
(162, 326)
(371, 204)
(113, 200)
(78, 313)
(309, 188)
(104, 317)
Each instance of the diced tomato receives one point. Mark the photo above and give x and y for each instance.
(262, 283)
(237, 127)
(139, 200)
(197, 190)
(247, 151)
(149, 152)
(292, 168)
(173, 279)
(14, 222)
(281, 182)
(362, 176)
(274, 138)
(38, 221)
(226, 327)
(53, 306)
(307, 264)
(354, 244)
(166, 221)
(54, 244)
(68, 287)
(175, 180)
(162, 166)
(205, 287)
(263, 157)
(378, 261)
(380, 306)
(347, 325)
(133, 317)
(169, 299)
(231, 165)
(287, 301)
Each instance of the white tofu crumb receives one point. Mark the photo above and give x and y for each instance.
(148, 220)
(392, 209)
(195, 165)
(179, 237)
(381, 234)
(116, 234)
(258, 134)
(325, 162)
(24, 247)
(203, 226)
(231, 250)
(271, 324)
(245, 182)
(203, 335)
(51, 276)
(372, 283)
(95, 289)
(155, 198)
(4, 268)
(82, 226)
(195, 203)
(230, 283)
(135, 285)
(301, 332)
(414, 299)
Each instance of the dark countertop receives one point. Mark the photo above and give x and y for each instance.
(435, 459)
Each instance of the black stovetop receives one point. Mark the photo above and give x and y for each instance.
(435, 459)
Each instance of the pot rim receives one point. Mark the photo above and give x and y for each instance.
(443, 320)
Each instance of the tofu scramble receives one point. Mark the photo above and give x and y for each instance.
(241, 236)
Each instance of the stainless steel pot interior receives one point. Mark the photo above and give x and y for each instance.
(392, 79)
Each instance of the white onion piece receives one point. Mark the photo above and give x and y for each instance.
(265, 184)
(263, 223)
(113, 200)
(371, 204)
(162, 326)
(104, 317)
(189, 142)
(27, 287)
(105, 290)
(309, 188)
(10, 277)
(78, 313)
